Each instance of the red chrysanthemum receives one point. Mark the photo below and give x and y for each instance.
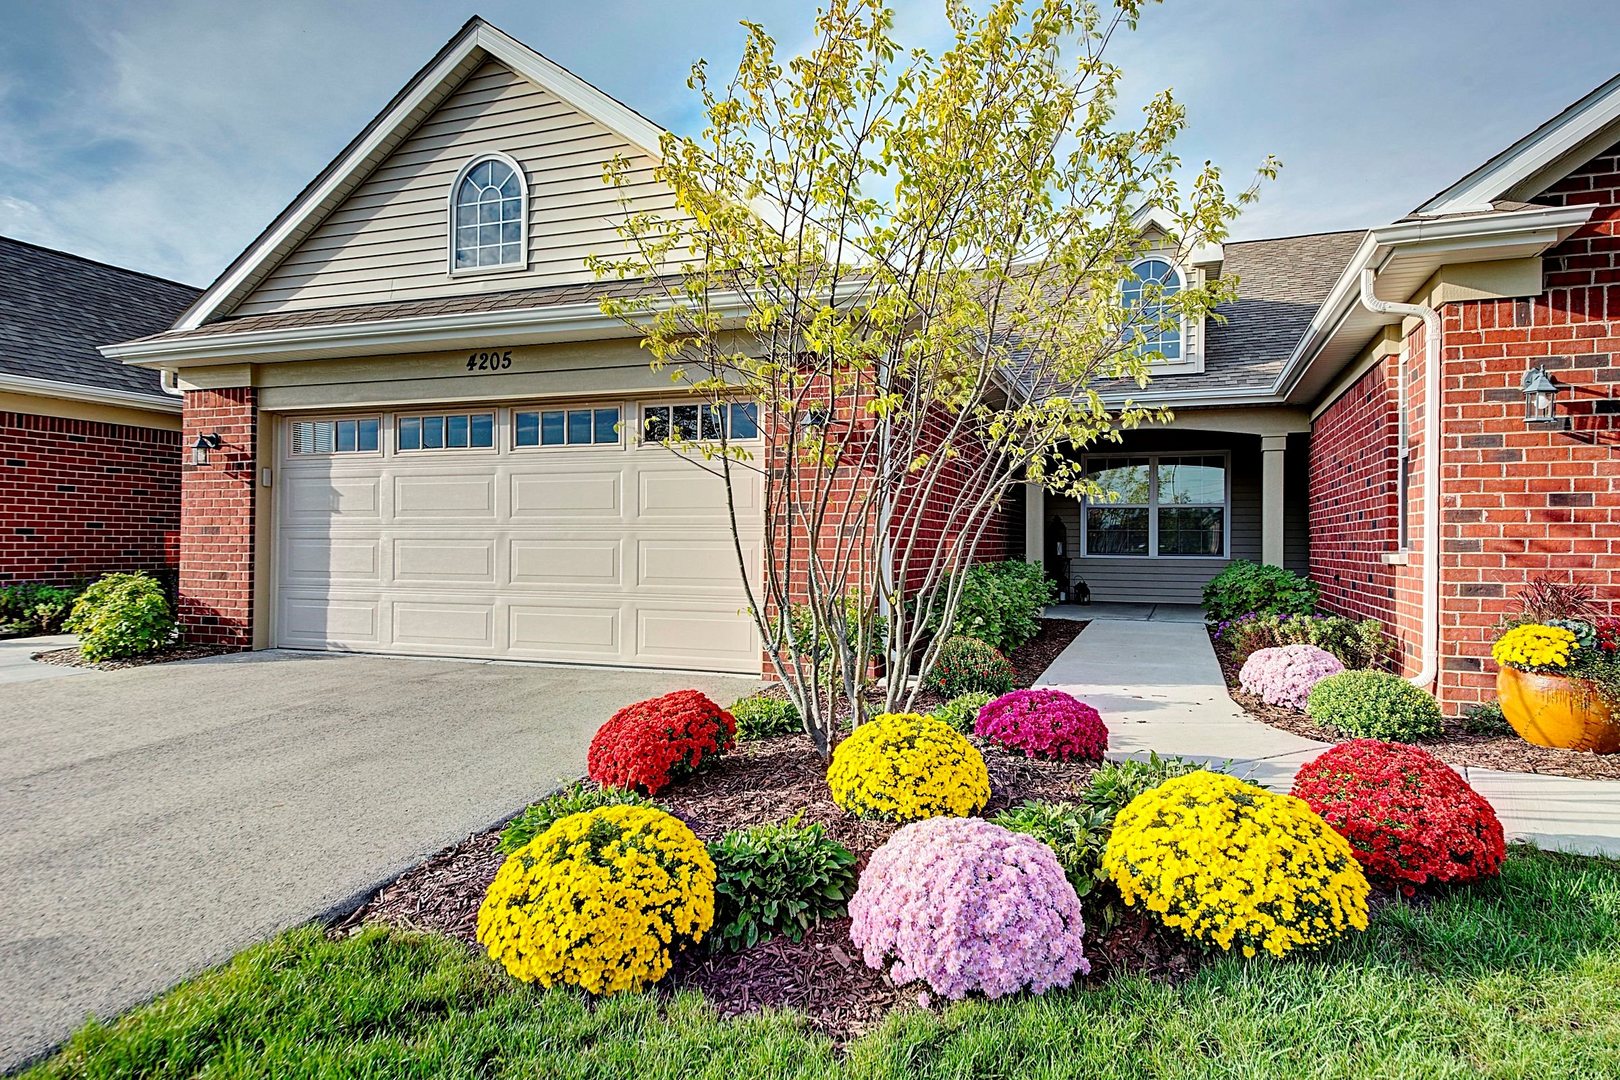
(1044, 723)
(653, 743)
(1410, 818)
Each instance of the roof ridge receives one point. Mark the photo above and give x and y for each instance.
(97, 262)
(1298, 236)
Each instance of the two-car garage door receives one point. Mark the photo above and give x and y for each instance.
(525, 533)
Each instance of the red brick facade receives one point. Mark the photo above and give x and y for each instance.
(84, 498)
(1518, 502)
(217, 519)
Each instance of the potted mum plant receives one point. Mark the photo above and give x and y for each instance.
(1559, 677)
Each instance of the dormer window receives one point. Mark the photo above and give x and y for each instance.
(1152, 323)
(489, 210)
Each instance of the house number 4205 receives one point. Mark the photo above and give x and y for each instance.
(489, 361)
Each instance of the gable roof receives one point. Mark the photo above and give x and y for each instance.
(474, 45)
(56, 309)
(1538, 160)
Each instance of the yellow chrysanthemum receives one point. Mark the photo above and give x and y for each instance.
(601, 900)
(906, 767)
(1534, 646)
(1235, 865)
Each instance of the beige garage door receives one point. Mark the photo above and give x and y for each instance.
(520, 532)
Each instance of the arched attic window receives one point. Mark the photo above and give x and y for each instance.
(1146, 298)
(489, 214)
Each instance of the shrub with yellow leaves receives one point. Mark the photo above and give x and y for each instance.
(906, 767)
(1236, 866)
(601, 900)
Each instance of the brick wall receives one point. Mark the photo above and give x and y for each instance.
(1521, 502)
(216, 520)
(84, 498)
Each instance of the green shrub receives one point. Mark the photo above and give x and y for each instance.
(121, 615)
(36, 608)
(961, 711)
(1116, 783)
(966, 665)
(1077, 836)
(759, 716)
(1358, 645)
(1374, 705)
(1001, 603)
(1485, 718)
(576, 798)
(1270, 590)
(777, 879)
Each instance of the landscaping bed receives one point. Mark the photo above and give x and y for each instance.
(1455, 745)
(73, 658)
(822, 976)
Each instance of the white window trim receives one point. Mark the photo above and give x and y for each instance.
(523, 218)
(567, 447)
(1185, 361)
(1153, 460)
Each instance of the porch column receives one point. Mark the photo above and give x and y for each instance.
(1272, 448)
(1035, 524)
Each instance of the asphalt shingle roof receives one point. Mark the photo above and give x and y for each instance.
(56, 309)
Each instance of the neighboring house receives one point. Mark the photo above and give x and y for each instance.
(89, 448)
(419, 414)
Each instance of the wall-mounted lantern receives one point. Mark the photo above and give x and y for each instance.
(200, 448)
(1541, 400)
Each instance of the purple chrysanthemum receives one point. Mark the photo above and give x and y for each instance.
(1285, 675)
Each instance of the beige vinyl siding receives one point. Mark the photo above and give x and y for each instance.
(387, 241)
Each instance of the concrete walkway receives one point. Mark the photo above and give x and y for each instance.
(159, 819)
(17, 663)
(1159, 687)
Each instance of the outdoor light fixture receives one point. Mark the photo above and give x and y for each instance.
(814, 418)
(1541, 400)
(200, 448)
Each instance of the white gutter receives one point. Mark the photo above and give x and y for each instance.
(129, 399)
(1430, 646)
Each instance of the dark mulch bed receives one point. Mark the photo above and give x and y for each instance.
(1455, 745)
(71, 657)
(1033, 657)
(822, 976)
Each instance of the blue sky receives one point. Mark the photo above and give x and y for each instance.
(165, 134)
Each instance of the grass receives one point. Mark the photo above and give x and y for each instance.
(1517, 977)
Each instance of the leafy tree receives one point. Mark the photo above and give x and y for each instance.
(914, 263)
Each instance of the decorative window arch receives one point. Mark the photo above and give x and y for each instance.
(1145, 296)
(489, 216)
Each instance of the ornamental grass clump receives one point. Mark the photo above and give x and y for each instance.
(601, 900)
(1409, 817)
(654, 743)
(1285, 675)
(968, 907)
(905, 767)
(1044, 724)
(1374, 705)
(1235, 866)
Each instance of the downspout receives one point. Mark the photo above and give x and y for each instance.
(1430, 644)
(168, 381)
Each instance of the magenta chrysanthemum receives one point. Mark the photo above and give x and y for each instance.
(1044, 723)
(964, 905)
(1285, 675)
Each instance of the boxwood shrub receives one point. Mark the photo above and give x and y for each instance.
(1374, 705)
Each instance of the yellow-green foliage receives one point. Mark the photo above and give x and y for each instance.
(906, 767)
(600, 900)
(1232, 864)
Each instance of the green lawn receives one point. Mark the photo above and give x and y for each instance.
(1520, 977)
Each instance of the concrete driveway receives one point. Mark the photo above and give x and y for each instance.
(156, 820)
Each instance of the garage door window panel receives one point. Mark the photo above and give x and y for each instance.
(736, 422)
(454, 431)
(566, 427)
(312, 438)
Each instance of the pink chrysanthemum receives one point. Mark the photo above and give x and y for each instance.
(1044, 723)
(1285, 675)
(964, 906)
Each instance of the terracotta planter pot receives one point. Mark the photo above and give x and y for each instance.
(1552, 710)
